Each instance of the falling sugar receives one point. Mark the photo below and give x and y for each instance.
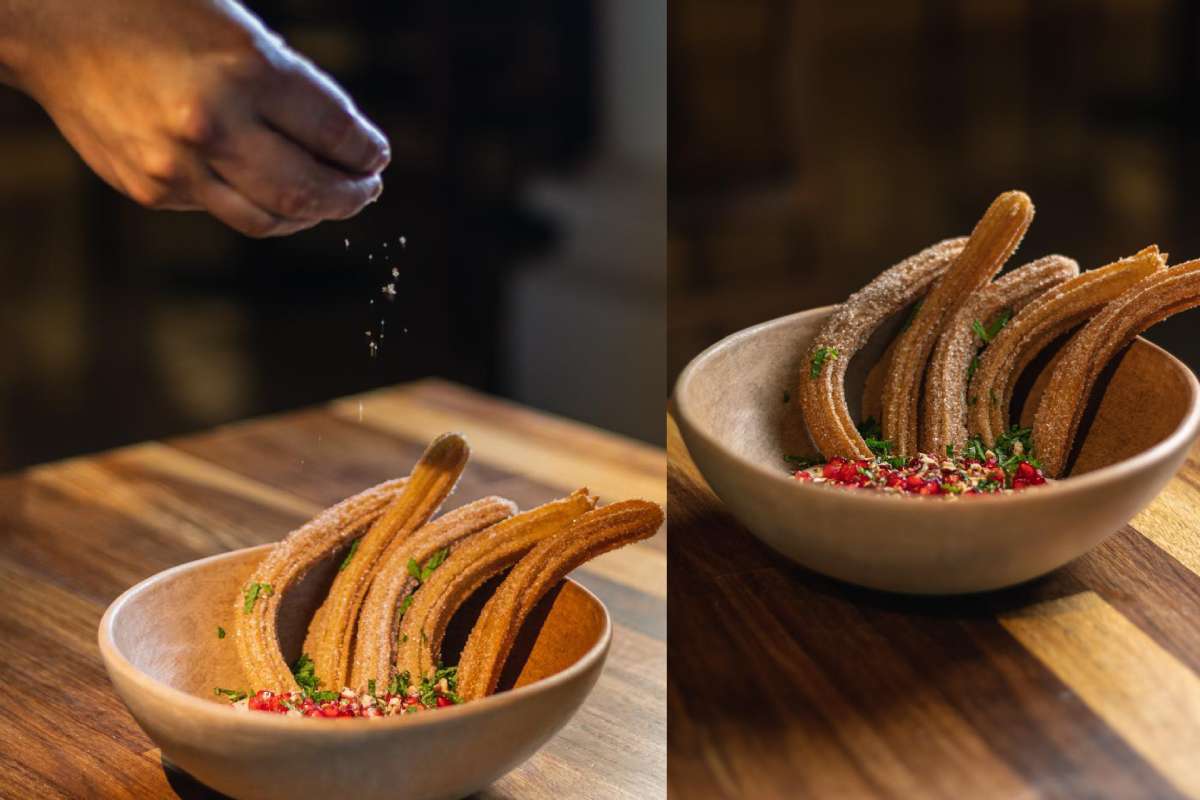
(347, 244)
(395, 272)
(403, 241)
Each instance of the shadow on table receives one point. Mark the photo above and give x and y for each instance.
(186, 787)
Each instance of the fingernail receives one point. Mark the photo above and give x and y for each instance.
(382, 160)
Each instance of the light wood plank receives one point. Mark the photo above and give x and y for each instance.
(1170, 522)
(1138, 688)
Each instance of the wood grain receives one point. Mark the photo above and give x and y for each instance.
(77, 533)
(1079, 684)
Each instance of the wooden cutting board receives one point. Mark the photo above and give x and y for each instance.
(75, 534)
(784, 683)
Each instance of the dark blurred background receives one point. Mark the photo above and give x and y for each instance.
(814, 144)
(528, 179)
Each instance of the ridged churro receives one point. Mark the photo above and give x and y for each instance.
(483, 556)
(374, 647)
(989, 394)
(822, 389)
(257, 609)
(1148, 302)
(996, 236)
(595, 532)
(944, 413)
(430, 483)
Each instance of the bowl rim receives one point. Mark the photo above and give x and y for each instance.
(200, 708)
(1184, 433)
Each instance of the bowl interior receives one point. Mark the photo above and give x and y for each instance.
(735, 393)
(168, 627)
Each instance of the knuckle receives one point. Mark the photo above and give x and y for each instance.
(297, 202)
(150, 194)
(196, 122)
(336, 127)
(164, 166)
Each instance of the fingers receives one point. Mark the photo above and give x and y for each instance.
(227, 205)
(312, 110)
(282, 179)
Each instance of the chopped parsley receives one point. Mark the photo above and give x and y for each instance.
(233, 695)
(400, 683)
(872, 433)
(253, 592)
(1006, 450)
(987, 333)
(371, 687)
(820, 356)
(422, 573)
(220, 632)
(800, 462)
(973, 366)
(304, 671)
(349, 554)
(404, 604)
(427, 688)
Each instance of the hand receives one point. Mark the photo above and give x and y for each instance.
(194, 104)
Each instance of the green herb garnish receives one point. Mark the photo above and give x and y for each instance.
(253, 592)
(819, 358)
(349, 554)
(304, 671)
(989, 332)
(433, 563)
(233, 695)
(950, 450)
(220, 632)
(974, 365)
(404, 604)
(799, 462)
(872, 433)
(371, 687)
(414, 569)
(324, 697)
(400, 683)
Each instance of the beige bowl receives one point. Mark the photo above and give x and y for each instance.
(731, 411)
(159, 642)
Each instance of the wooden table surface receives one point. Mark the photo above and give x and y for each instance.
(75, 534)
(1085, 683)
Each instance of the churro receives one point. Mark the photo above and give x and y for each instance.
(595, 532)
(944, 413)
(400, 573)
(1148, 302)
(257, 608)
(430, 483)
(486, 554)
(994, 239)
(822, 390)
(989, 394)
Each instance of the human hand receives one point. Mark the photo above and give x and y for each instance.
(194, 104)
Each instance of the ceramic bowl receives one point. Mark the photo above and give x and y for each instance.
(737, 426)
(159, 642)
